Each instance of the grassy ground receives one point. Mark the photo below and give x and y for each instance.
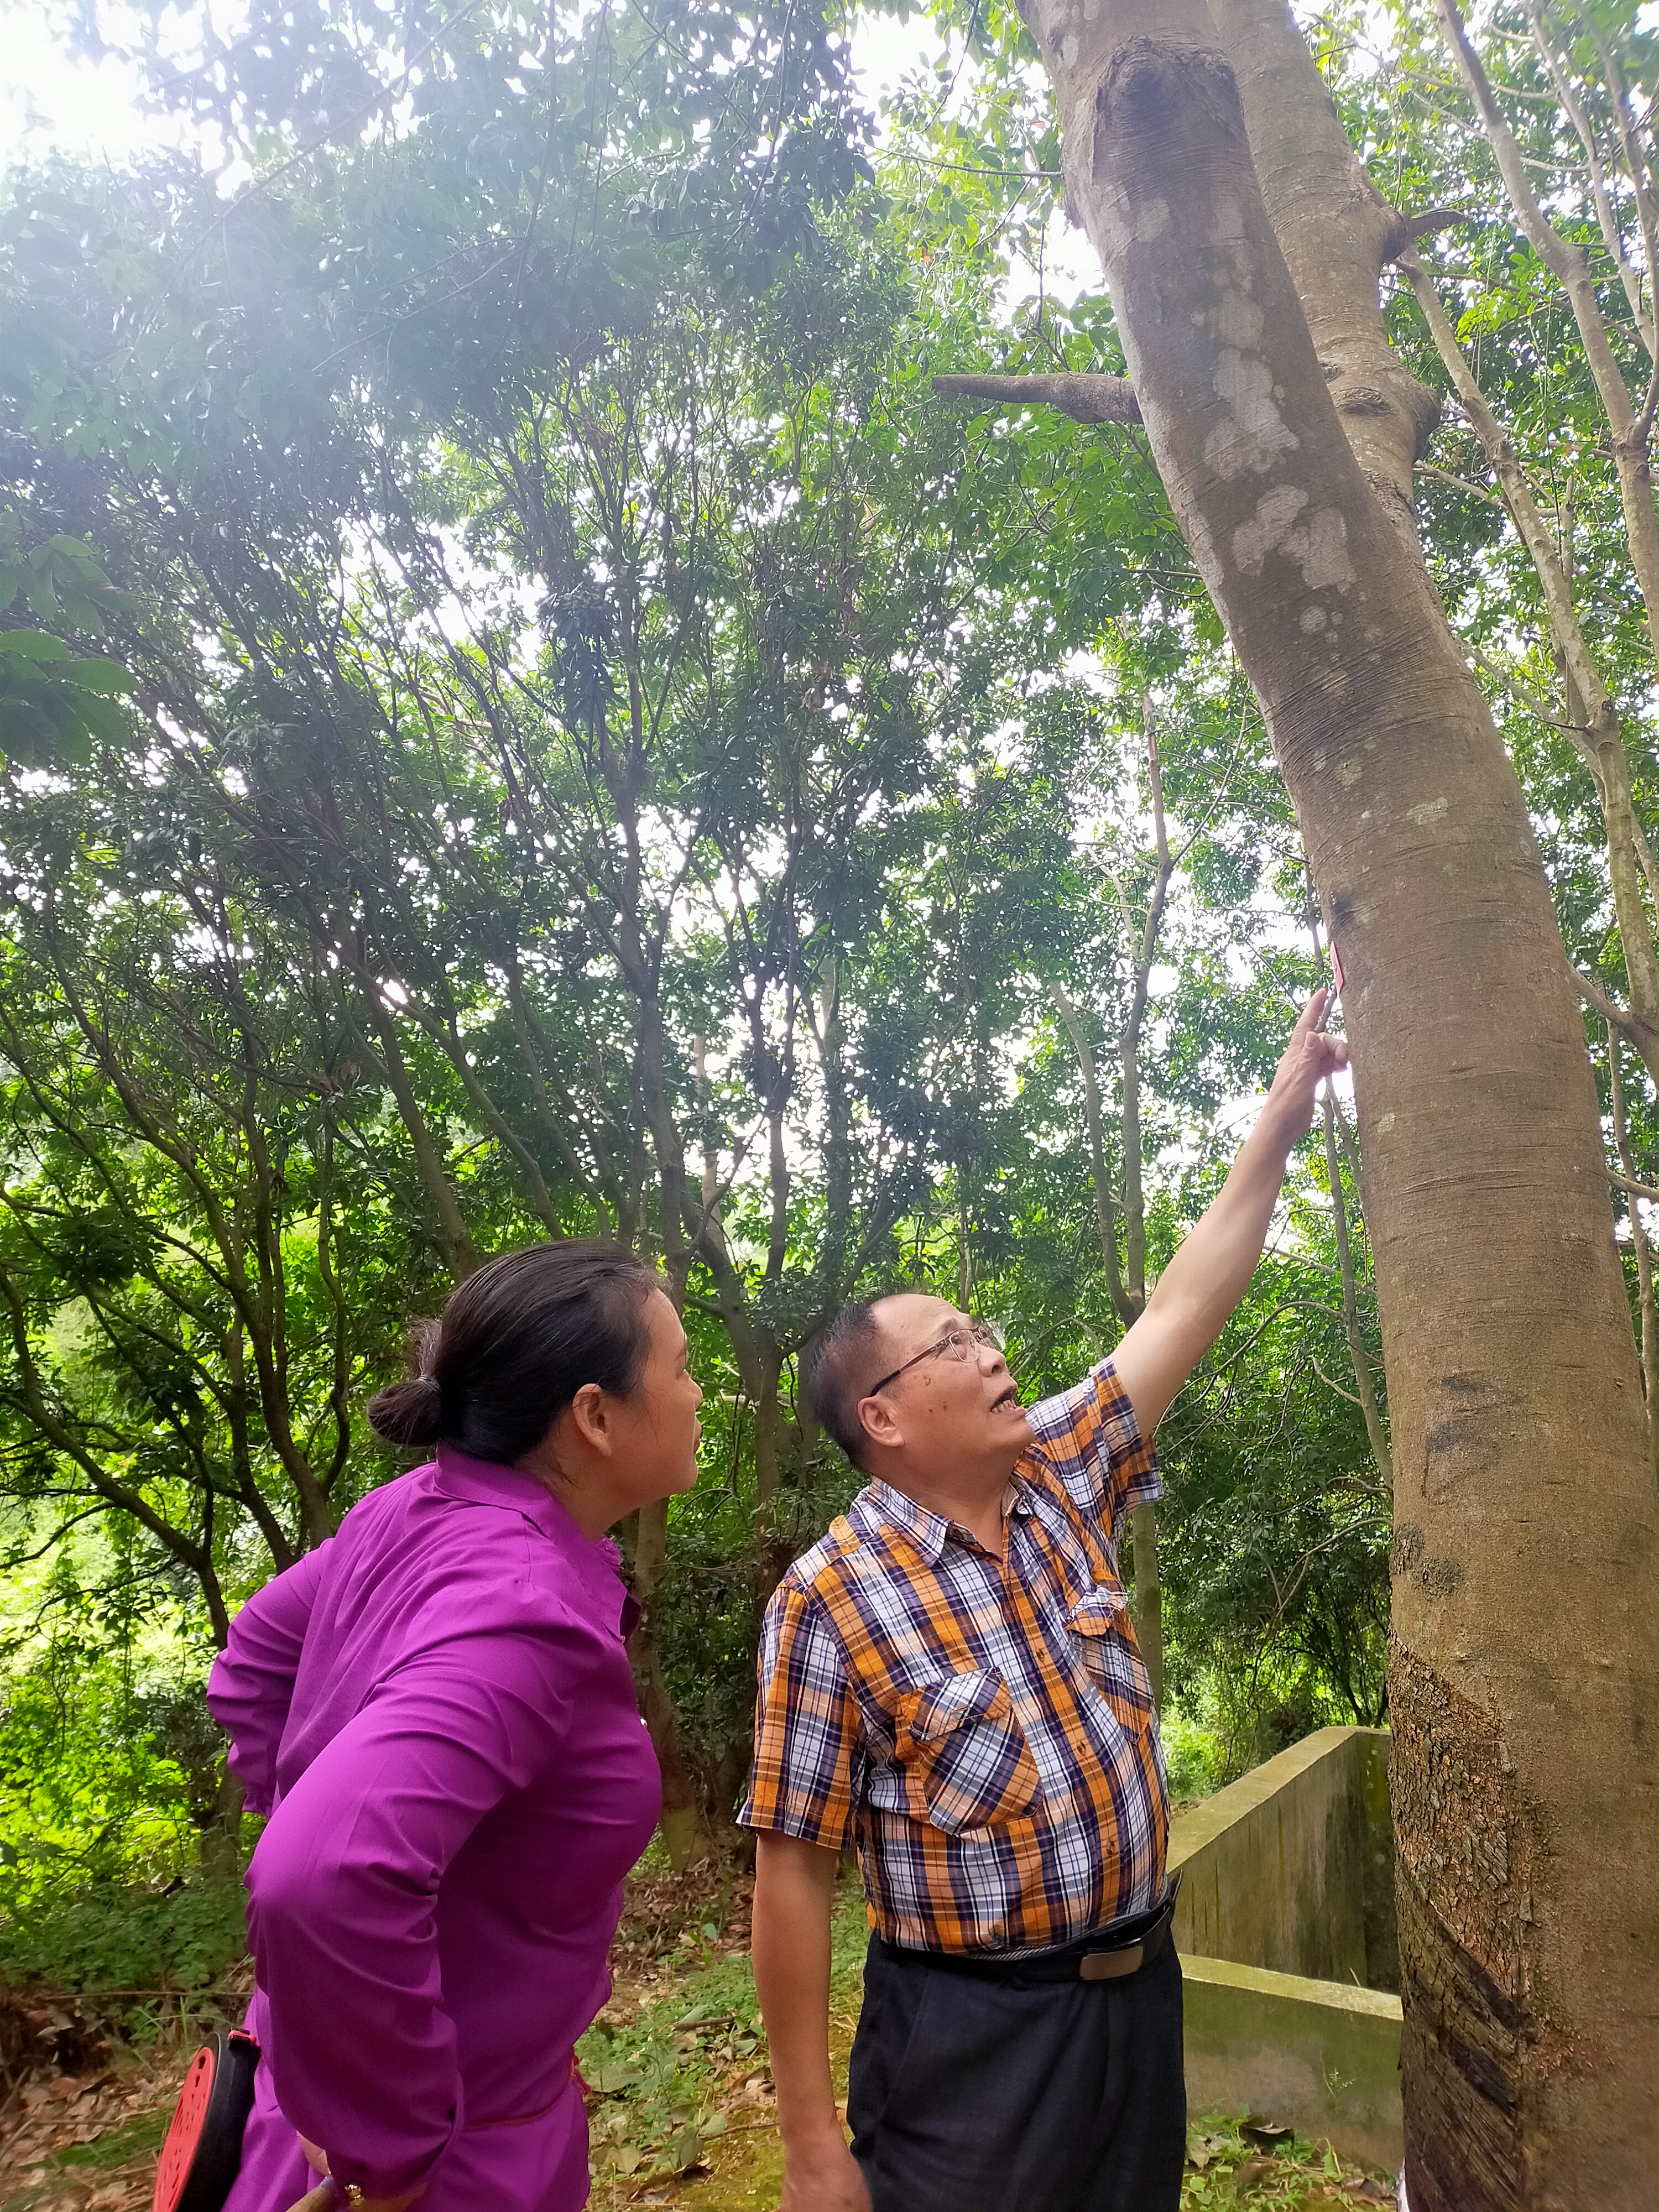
(681, 2110)
(681, 2106)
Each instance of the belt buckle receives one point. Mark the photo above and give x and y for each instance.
(1111, 1965)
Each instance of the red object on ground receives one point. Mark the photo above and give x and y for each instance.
(203, 2146)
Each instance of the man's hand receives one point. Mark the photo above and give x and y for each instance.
(1211, 1271)
(1310, 1057)
(825, 2179)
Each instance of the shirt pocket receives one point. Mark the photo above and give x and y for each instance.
(1103, 1645)
(963, 1755)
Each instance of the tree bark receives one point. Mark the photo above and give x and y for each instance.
(1336, 232)
(1524, 1665)
(1086, 399)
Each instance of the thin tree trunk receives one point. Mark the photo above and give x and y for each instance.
(1143, 1520)
(1105, 1212)
(1593, 723)
(1526, 1527)
(1127, 1284)
(461, 1254)
(1149, 1597)
(684, 1832)
(220, 1851)
(1364, 1388)
(1376, 1434)
(1643, 1249)
(1630, 430)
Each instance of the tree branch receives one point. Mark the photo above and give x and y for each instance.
(1088, 398)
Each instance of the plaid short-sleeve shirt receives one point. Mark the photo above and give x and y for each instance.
(982, 1728)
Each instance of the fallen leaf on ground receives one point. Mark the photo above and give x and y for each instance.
(1263, 2133)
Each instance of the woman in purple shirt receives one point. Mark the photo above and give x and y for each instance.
(436, 1709)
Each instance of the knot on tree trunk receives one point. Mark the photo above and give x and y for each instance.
(1168, 74)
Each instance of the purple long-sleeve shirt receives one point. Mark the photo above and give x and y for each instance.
(436, 1708)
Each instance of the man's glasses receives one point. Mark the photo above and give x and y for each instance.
(960, 1344)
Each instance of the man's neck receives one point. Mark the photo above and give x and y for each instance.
(974, 1504)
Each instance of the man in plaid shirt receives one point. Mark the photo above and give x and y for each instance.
(949, 1680)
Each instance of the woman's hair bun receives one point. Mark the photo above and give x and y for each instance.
(517, 1339)
(409, 1412)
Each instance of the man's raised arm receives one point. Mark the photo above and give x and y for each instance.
(1212, 1270)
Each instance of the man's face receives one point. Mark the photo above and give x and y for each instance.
(954, 1410)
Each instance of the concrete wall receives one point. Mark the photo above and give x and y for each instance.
(1315, 2056)
(1286, 1931)
(1292, 1866)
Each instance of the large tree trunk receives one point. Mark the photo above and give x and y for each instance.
(1524, 1674)
(1336, 231)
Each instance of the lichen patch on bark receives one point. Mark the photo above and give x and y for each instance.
(1318, 545)
(1253, 433)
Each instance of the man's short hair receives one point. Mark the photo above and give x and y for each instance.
(837, 1368)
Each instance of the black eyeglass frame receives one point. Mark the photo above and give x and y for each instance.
(980, 1334)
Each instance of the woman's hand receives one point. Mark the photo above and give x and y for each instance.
(326, 2198)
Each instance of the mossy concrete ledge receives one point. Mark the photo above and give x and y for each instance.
(1286, 1928)
(1320, 2056)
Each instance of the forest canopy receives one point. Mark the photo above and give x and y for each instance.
(525, 714)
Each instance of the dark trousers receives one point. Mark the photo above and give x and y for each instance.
(970, 2095)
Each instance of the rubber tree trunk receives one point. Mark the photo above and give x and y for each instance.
(1525, 1662)
(1335, 231)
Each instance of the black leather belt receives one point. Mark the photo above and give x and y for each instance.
(1116, 1952)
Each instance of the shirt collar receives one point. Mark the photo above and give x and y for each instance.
(928, 1531)
(488, 1482)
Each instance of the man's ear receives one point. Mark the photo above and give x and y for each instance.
(879, 1420)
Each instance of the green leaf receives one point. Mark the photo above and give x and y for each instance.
(33, 645)
(27, 733)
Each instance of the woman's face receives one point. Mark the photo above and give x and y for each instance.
(657, 1423)
(605, 1456)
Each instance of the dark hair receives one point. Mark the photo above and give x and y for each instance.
(516, 1342)
(837, 1369)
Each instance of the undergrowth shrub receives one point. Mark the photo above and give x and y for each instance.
(108, 1936)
